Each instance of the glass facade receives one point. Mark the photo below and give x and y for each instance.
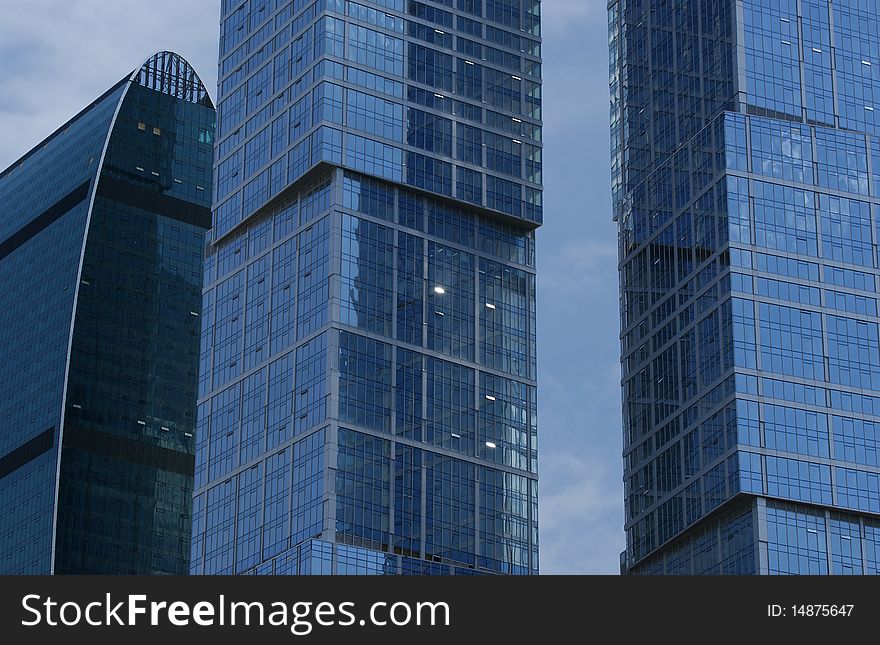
(367, 395)
(101, 249)
(744, 157)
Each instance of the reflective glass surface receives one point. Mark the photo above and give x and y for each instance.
(378, 186)
(46, 208)
(443, 99)
(104, 233)
(748, 283)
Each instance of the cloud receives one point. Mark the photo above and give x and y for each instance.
(580, 468)
(57, 57)
(580, 464)
(580, 268)
(581, 514)
(560, 16)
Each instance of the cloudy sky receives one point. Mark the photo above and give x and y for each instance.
(56, 57)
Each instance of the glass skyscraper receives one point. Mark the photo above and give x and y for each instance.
(101, 252)
(367, 385)
(746, 170)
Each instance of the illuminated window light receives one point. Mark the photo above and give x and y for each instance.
(489, 444)
(439, 290)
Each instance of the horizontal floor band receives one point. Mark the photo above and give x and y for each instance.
(130, 450)
(27, 452)
(43, 220)
(139, 197)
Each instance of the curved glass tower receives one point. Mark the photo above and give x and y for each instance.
(368, 397)
(101, 250)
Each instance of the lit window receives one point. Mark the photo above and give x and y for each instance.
(142, 126)
(157, 131)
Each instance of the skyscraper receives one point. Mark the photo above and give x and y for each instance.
(101, 250)
(367, 386)
(746, 163)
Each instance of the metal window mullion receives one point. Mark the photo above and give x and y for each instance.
(829, 546)
(802, 61)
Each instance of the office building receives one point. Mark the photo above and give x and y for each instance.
(746, 182)
(367, 385)
(101, 254)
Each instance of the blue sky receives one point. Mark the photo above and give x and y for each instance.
(56, 57)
